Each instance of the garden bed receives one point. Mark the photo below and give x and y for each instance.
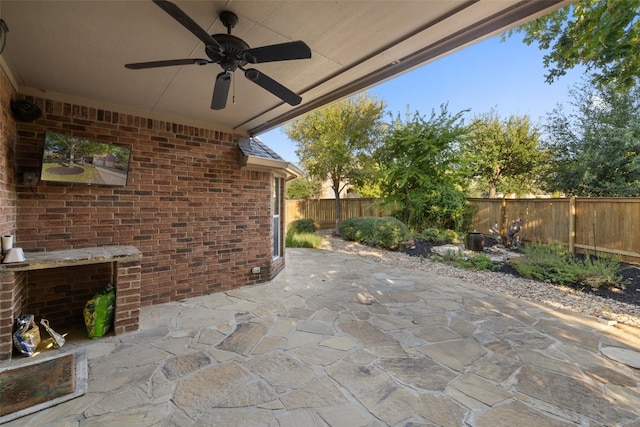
(630, 273)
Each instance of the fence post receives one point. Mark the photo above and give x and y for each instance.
(503, 222)
(572, 224)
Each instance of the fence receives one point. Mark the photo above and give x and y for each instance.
(323, 211)
(604, 225)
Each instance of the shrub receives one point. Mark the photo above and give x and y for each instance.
(431, 235)
(359, 229)
(437, 235)
(301, 226)
(389, 232)
(552, 262)
(303, 240)
(450, 236)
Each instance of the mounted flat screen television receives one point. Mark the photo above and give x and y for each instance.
(74, 160)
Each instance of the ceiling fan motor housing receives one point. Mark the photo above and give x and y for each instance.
(232, 54)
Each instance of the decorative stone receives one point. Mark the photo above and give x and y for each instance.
(622, 355)
(419, 372)
(454, 354)
(180, 366)
(515, 413)
(243, 339)
(441, 410)
(319, 393)
(280, 370)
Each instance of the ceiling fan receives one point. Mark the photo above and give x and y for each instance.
(232, 53)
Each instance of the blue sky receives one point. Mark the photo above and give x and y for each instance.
(507, 76)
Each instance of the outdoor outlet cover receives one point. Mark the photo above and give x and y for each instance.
(255, 270)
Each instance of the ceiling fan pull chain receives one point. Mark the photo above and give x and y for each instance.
(233, 95)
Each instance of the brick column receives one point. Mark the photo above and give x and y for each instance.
(127, 310)
(11, 301)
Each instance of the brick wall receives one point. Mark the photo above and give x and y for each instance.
(10, 298)
(200, 220)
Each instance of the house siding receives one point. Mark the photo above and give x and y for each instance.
(200, 220)
(10, 284)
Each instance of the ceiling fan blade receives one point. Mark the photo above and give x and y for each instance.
(278, 52)
(177, 14)
(221, 91)
(168, 63)
(272, 86)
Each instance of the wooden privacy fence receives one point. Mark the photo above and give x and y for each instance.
(585, 225)
(604, 225)
(323, 211)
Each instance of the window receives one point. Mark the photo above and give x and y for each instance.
(277, 199)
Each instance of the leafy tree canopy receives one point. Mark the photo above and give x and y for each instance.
(596, 149)
(336, 142)
(503, 154)
(303, 188)
(420, 167)
(602, 35)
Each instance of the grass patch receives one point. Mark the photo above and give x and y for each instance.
(303, 240)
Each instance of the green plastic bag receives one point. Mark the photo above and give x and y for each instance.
(98, 312)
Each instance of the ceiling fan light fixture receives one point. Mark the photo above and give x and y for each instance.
(231, 53)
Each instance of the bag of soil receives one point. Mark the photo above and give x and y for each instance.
(27, 335)
(98, 312)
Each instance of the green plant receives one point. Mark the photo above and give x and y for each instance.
(450, 236)
(389, 232)
(359, 229)
(301, 226)
(431, 234)
(473, 262)
(303, 240)
(437, 235)
(553, 263)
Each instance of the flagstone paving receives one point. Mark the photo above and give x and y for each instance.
(337, 340)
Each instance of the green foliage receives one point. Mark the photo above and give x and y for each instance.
(596, 149)
(504, 154)
(303, 240)
(301, 226)
(358, 229)
(474, 262)
(335, 143)
(552, 262)
(437, 235)
(386, 232)
(389, 232)
(601, 35)
(421, 174)
(303, 188)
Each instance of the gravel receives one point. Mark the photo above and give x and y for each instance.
(556, 296)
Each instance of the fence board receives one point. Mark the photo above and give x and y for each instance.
(609, 225)
(323, 211)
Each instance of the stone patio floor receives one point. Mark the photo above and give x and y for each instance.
(336, 340)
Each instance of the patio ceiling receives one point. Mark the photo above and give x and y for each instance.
(75, 51)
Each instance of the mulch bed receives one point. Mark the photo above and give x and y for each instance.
(630, 273)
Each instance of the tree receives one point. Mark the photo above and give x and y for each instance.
(603, 35)
(596, 149)
(303, 188)
(421, 176)
(504, 154)
(335, 143)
